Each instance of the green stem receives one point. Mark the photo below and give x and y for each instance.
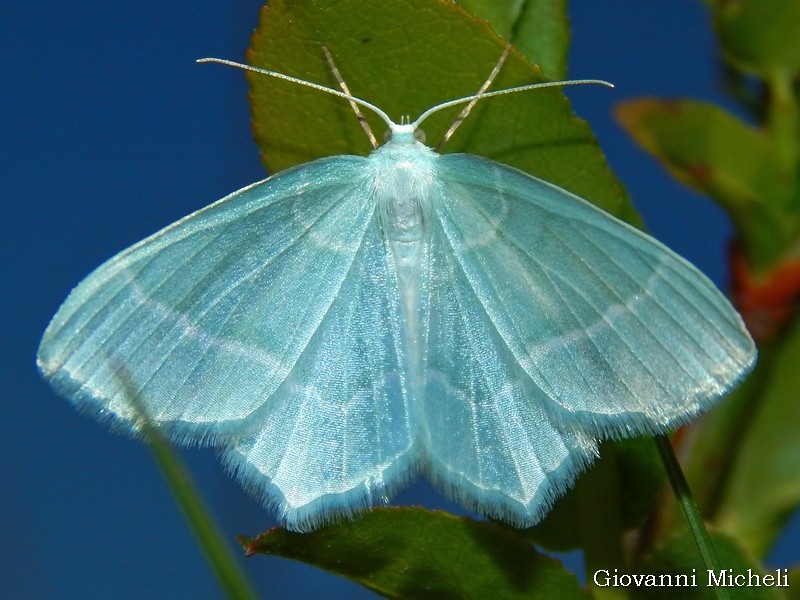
(229, 574)
(693, 518)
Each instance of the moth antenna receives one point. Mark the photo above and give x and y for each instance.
(347, 96)
(521, 88)
(468, 108)
(359, 115)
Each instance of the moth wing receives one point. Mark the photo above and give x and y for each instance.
(338, 435)
(556, 325)
(199, 324)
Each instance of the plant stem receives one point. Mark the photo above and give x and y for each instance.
(693, 518)
(229, 574)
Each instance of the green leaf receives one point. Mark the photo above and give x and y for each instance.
(712, 151)
(538, 28)
(763, 489)
(679, 556)
(760, 36)
(405, 57)
(416, 553)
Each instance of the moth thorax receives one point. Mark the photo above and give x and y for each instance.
(403, 202)
(404, 222)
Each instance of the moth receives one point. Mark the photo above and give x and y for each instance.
(347, 324)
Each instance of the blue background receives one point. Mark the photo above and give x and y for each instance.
(109, 132)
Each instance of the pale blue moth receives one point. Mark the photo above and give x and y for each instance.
(348, 323)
